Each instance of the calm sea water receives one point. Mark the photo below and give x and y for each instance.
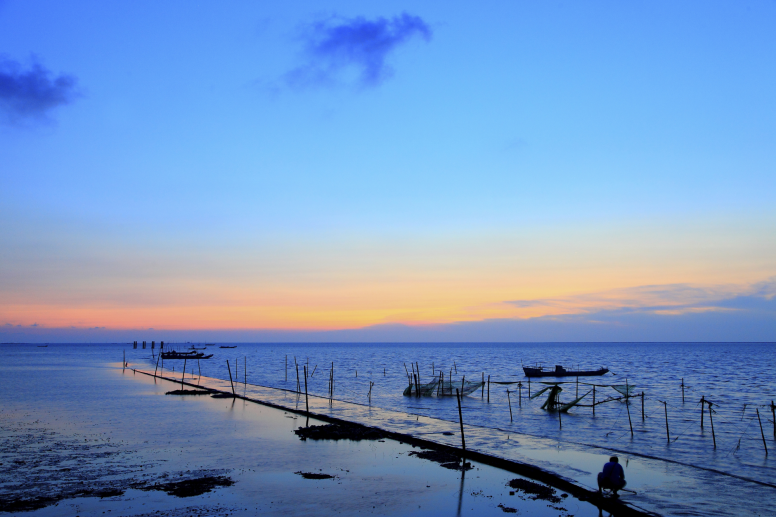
(738, 378)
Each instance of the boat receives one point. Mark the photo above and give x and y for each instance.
(223, 346)
(560, 371)
(185, 355)
(192, 347)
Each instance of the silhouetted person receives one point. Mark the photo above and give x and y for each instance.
(613, 477)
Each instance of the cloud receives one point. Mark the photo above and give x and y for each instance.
(669, 299)
(336, 46)
(31, 94)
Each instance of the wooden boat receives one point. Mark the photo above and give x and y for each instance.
(185, 355)
(560, 371)
(223, 346)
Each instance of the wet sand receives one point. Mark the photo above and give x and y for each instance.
(102, 441)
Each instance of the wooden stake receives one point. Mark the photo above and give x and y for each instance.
(482, 392)
(529, 387)
(682, 390)
(199, 368)
(184, 372)
(245, 370)
(761, 431)
(298, 386)
(157, 363)
(510, 406)
(456, 367)
(286, 367)
(773, 412)
(230, 375)
(124, 361)
(460, 419)
(714, 438)
(560, 420)
(703, 405)
(577, 395)
(627, 406)
(665, 406)
(488, 389)
(306, 402)
(593, 399)
(642, 406)
(520, 394)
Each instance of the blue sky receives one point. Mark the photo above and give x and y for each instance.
(310, 167)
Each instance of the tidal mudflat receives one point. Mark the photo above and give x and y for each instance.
(86, 438)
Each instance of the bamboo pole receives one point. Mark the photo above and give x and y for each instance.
(306, 401)
(460, 419)
(520, 394)
(627, 406)
(286, 367)
(183, 374)
(773, 412)
(560, 419)
(713, 437)
(482, 392)
(529, 387)
(703, 405)
(245, 370)
(230, 375)
(577, 395)
(642, 406)
(761, 431)
(593, 399)
(124, 361)
(456, 367)
(665, 406)
(488, 389)
(157, 363)
(510, 406)
(298, 386)
(682, 390)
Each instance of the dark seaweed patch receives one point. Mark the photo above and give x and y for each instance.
(188, 392)
(314, 475)
(191, 487)
(535, 490)
(339, 432)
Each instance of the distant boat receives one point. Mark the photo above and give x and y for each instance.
(560, 371)
(223, 346)
(42, 346)
(185, 355)
(192, 347)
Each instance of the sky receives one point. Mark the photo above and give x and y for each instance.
(424, 171)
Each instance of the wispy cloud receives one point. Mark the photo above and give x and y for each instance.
(30, 94)
(336, 46)
(659, 299)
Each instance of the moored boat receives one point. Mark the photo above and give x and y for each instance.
(185, 355)
(560, 371)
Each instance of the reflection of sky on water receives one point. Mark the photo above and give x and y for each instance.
(665, 487)
(70, 399)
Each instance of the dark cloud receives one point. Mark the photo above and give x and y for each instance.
(31, 94)
(335, 46)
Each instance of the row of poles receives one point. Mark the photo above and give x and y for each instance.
(414, 378)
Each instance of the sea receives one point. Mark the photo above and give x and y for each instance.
(668, 423)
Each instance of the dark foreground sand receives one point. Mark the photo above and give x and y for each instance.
(99, 441)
